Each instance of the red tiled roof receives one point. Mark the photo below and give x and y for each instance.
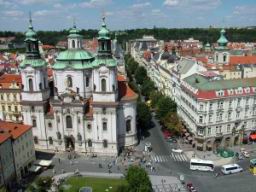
(202, 59)
(234, 60)
(121, 78)
(14, 129)
(7, 79)
(4, 135)
(125, 92)
(48, 46)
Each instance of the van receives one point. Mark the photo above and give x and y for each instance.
(231, 168)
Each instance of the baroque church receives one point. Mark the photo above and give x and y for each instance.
(90, 109)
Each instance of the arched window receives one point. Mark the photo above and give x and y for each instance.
(50, 125)
(35, 139)
(30, 84)
(104, 125)
(103, 85)
(89, 143)
(89, 127)
(50, 141)
(224, 58)
(69, 81)
(69, 122)
(73, 44)
(128, 125)
(105, 143)
(34, 123)
(87, 81)
(40, 86)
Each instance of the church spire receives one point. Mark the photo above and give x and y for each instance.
(104, 40)
(31, 40)
(222, 41)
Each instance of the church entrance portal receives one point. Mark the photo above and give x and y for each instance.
(69, 143)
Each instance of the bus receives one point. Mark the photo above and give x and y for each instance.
(201, 165)
(231, 168)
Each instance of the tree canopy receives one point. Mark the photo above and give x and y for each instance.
(140, 74)
(143, 115)
(138, 180)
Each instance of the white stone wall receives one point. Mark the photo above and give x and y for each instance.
(24, 152)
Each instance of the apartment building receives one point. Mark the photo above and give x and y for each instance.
(18, 147)
(217, 112)
(10, 89)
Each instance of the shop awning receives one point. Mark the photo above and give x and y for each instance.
(43, 163)
(34, 168)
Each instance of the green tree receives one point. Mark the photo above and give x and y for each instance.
(143, 115)
(138, 180)
(164, 106)
(147, 87)
(140, 74)
(155, 97)
(172, 122)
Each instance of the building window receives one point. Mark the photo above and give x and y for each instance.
(224, 58)
(87, 81)
(40, 86)
(105, 143)
(34, 123)
(89, 127)
(237, 114)
(3, 108)
(210, 118)
(201, 107)
(128, 125)
(15, 108)
(35, 139)
(69, 81)
(77, 90)
(229, 115)
(89, 143)
(9, 108)
(69, 122)
(200, 119)
(2, 97)
(50, 125)
(73, 44)
(104, 126)
(228, 128)
(103, 85)
(50, 141)
(30, 83)
(209, 130)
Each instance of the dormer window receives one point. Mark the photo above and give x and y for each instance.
(73, 44)
(103, 85)
(69, 81)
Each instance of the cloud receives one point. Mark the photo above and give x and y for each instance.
(141, 5)
(193, 4)
(245, 10)
(171, 2)
(27, 2)
(13, 13)
(95, 3)
(44, 12)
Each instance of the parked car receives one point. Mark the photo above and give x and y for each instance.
(191, 188)
(177, 150)
(239, 156)
(246, 154)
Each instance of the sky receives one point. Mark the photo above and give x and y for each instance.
(126, 14)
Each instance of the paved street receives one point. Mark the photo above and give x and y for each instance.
(166, 163)
(178, 164)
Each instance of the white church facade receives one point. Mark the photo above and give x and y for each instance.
(92, 108)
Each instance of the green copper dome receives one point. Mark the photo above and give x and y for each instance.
(76, 54)
(103, 32)
(30, 34)
(74, 32)
(222, 41)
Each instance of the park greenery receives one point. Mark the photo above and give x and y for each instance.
(203, 34)
(164, 107)
(73, 184)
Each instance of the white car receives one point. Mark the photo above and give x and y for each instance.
(177, 150)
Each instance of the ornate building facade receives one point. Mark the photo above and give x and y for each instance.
(93, 110)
